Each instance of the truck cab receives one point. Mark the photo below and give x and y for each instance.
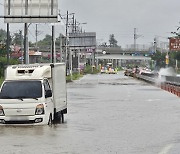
(33, 94)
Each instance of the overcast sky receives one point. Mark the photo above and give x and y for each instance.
(119, 17)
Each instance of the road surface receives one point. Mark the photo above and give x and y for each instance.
(107, 114)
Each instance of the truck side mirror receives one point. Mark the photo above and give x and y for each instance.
(48, 93)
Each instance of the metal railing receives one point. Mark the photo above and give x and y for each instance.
(168, 83)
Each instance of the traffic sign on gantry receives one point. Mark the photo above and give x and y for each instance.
(174, 44)
(30, 11)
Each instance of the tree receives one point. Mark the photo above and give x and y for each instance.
(17, 38)
(173, 56)
(46, 41)
(3, 49)
(3, 36)
(159, 58)
(112, 41)
(177, 55)
(63, 40)
(3, 64)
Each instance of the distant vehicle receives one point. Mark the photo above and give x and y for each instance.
(111, 71)
(128, 72)
(33, 94)
(103, 70)
(108, 69)
(146, 72)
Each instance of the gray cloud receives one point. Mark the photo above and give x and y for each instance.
(120, 17)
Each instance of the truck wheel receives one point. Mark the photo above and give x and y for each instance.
(62, 117)
(50, 120)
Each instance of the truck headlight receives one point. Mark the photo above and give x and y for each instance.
(1, 111)
(39, 109)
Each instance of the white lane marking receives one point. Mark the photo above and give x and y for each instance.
(166, 149)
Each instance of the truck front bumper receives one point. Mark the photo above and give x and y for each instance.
(39, 119)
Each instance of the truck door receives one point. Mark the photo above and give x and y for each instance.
(48, 97)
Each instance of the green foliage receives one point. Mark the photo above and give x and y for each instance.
(112, 41)
(46, 41)
(3, 50)
(160, 59)
(75, 76)
(91, 70)
(17, 38)
(176, 55)
(119, 68)
(1, 80)
(3, 36)
(62, 39)
(3, 64)
(173, 56)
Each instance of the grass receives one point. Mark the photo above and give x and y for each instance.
(91, 70)
(88, 70)
(75, 76)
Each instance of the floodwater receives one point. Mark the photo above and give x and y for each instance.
(107, 114)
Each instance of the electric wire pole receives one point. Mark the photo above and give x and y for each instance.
(66, 44)
(36, 34)
(8, 43)
(8, 34)
(135, 37)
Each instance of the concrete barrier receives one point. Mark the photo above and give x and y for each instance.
(169, 83)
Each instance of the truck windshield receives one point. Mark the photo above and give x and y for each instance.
(21, 89)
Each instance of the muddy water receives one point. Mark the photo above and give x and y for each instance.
(107, 114)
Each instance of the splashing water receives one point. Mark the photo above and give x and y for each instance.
(169, 71)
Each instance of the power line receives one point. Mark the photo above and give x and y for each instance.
(31, 34)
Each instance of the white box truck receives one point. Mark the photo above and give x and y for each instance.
(33, 94)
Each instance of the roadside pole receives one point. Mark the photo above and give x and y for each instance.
(8, 33)
(66, 49)
(26, 44)
(21, 47)
(8, 43)
(53, 51)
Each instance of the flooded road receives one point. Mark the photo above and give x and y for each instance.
(107, 114)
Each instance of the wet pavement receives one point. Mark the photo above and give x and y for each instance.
(107, 114)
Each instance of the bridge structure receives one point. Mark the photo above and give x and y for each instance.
(140, 50)
(119, 57)
(122, 57)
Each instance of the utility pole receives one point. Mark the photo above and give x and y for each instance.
(135, 37)
(155, 44)
(21, 46)
(53, 51)
(73, 27)
(66, 44)
(8, 34)
(8, 43)
(36, 34)
(26, 44)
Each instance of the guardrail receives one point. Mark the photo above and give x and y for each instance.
(168, 83)
(172, 80)
(145, 78)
